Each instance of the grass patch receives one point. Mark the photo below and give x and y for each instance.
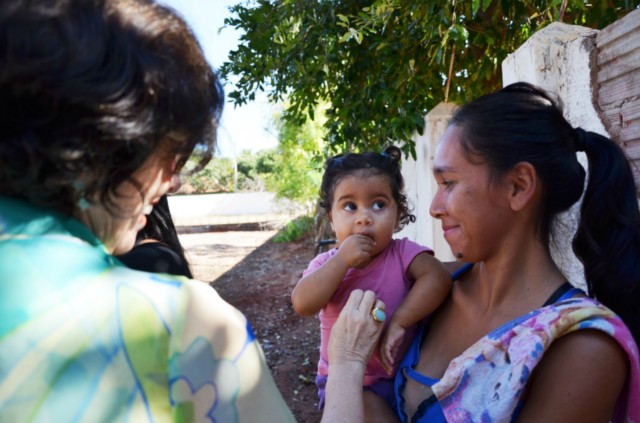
(295, 230)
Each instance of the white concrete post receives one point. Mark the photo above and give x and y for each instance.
(560, 58)
(421, 186)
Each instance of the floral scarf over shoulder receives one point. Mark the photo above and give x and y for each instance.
(487, 381)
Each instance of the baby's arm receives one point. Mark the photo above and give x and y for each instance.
(314, 290)
(431, 287)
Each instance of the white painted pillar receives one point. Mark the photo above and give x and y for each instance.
(421, 186)
(560, 58)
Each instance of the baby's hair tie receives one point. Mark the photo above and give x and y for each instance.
(392, 153)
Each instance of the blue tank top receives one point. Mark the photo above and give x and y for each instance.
(430, 410)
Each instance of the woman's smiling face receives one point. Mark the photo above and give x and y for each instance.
(467, 200)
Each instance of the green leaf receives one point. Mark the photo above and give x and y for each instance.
(476, 5)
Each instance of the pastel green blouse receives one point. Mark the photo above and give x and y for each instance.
(83, 338)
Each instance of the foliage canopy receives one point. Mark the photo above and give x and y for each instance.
(382, 65)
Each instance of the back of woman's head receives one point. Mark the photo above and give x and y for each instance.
(90, 88)
(521, 123)
(365, 164)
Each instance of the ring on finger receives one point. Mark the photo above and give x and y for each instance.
(378, 314)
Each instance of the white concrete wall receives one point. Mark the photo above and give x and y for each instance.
(560, 59)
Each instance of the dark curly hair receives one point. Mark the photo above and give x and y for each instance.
(386, 163)
(89, 89)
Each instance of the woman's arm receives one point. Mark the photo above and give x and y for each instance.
(217, 367)
(353, 337)
(579, 379)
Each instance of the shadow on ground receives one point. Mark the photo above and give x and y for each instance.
(257, 275)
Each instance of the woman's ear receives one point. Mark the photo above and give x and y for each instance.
(523, 185)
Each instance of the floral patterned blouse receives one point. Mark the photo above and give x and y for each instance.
(487, 383)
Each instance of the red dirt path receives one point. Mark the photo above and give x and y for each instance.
(260, 286)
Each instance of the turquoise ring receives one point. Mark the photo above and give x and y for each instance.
(378, 315)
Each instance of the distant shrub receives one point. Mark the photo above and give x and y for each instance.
(295, 230)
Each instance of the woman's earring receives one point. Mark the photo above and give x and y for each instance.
(83, 204)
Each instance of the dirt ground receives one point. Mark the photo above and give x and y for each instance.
(257, 275)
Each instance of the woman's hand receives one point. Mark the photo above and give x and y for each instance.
(353, 338)
(355, 333)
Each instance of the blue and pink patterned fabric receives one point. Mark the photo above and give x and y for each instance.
(487, 382)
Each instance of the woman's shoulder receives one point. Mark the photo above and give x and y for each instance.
(191, 309)
(581, 375)
(555, 345)
(205, 305)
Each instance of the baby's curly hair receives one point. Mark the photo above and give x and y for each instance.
(89, 89)
(386, 163)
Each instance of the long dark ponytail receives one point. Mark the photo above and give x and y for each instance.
(608, 238)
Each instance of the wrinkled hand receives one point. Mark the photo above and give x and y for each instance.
(391, 342)
(355, 333)
(356, 249)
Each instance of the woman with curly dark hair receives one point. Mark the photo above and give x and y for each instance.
(101, 104)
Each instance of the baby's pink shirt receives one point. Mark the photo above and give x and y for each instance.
(386, 276)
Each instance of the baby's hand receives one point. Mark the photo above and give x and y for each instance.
(391, 342)
(356, 249)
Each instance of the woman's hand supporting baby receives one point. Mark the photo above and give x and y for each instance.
(353, 338)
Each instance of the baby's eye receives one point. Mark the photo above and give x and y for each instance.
(349, 207)
(379, 205)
